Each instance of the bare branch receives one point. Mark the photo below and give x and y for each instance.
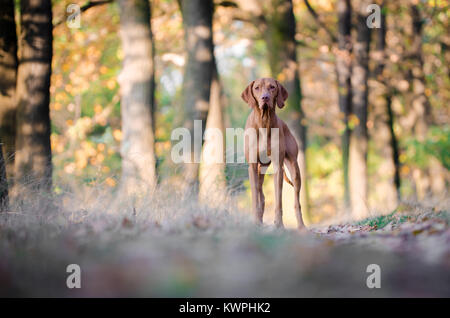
(228, 4)
(319, 21)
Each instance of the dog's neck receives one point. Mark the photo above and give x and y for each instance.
(265, 118)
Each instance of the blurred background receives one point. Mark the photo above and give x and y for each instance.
(369, 106)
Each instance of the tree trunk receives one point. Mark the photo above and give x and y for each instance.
(344, 72)
(153, 78)
(3, 184)
(431, 179)
(137, 146)
(419, 101)
(385, 141)
(213, 187)
(395, 148)
(395, 152)
(197, 23)
(33, 161)
(8, 69)
(281, 48)
(359, 136)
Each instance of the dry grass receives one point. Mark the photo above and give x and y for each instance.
(171, 246)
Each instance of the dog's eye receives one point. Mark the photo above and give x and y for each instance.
(257, 87)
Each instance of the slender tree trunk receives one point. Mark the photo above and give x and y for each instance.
(359, 137)
(3, 183)
(137, 147)
(281, 47)
(395, 148)
(386, 141)
(8, 71)
(419, 102)
(213, 186)
(395, 152)
(344, 72)
(197, 23)
(431, 179)
(153, 76)
(33, 161)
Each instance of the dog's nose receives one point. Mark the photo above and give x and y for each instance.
(265, 98)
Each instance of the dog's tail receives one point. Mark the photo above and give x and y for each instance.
(286, 178)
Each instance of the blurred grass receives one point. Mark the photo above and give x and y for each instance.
(400, 215)
(380, 222)
(171, 247)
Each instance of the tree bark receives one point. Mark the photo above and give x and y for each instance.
(344, 72)
(359, 137)
(430, 180)
(281, 48)
(213, 186)
(33, 161)
(419, 101)
(8, 69)
(137, 146)
(3, 183)
(386, 140)
(395, 148)
(197, 23)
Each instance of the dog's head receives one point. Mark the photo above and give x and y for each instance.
(264, 93)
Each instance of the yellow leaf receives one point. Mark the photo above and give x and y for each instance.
(111, 83)
(105, 169)
(117, 133)
(101, 147)
(57, 106)
(98, 109)
(110, 182)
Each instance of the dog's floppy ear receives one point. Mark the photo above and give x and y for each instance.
(247, 95)
(282, 95)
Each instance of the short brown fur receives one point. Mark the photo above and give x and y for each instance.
(262, 95)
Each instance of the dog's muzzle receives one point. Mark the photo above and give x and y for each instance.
(264, 110)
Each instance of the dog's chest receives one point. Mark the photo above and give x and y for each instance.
(265, 147)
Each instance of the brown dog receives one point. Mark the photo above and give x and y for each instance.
(262, 96)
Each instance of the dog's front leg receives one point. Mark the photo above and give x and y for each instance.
(253, 177)
(278, 184)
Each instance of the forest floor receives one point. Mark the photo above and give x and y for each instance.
(173, 247)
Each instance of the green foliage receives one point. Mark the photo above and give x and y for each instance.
(443, 215)
(437, 144)
(381, 221)
(326, 159)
